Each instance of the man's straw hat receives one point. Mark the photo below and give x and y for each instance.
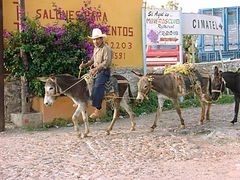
(97, 33)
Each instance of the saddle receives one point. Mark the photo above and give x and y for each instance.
(187, 78)
(185, 83)
(111, 86)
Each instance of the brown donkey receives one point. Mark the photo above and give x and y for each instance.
(172, 86)
(78, 91)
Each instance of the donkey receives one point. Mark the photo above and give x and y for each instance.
(230, 80)
(172, 86)
(77, 90)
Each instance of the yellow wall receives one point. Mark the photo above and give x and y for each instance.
(10, 14)
(123, 17)
(62, 108)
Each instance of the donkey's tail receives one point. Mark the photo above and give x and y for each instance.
(210, 85)
(130, 93)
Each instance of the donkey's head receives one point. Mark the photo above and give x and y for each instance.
(51, 90)
(144, 87)
(218, 83)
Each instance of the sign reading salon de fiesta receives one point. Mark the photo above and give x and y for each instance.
(202, 24)
(162, 27)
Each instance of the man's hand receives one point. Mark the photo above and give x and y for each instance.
(82, 65)
(93, 71)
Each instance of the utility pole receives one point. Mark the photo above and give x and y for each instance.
(2, 117)
(25, 99)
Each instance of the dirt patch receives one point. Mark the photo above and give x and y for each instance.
(209, 151)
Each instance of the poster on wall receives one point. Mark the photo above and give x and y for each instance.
(162, 27)
(163, 33)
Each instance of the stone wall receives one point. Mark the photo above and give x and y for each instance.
(12, 89)
(227, 65)
(12, 98)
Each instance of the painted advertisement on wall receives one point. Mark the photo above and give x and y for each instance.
(162, 37)
(162, 27)
(123, 19)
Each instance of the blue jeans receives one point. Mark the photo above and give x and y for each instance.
(99, 88)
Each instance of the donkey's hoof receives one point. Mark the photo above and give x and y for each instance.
(79, 135)
(233, 121)
(182, 126)
(200, 123)
(83, 136)
(107, 132)
(132, 129)
(152, 129)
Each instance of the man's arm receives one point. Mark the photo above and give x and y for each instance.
(85, 65)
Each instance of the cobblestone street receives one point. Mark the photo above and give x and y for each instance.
(211, 151)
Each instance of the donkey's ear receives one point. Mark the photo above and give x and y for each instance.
(215, 71)
(52, 78)
(43, 79)
(220, 74)
(137, 73)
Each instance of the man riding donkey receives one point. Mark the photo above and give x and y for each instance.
(101, 70)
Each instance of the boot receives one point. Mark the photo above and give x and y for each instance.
(95, 114)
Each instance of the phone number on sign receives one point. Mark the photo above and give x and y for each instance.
(120, 45)
(119, 55)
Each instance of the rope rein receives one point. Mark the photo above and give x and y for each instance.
(150, 87)
(85, 76)
(223, 83)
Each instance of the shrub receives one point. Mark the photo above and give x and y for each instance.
(148, 106)
(51, 49)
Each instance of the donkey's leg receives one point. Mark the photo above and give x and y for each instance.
(75, 119)
(86, 122)
(128, 109)
(200, 96)
(208, 102)
(236, 108)
(157, 117)
(159, 110)
(208, 111)
(177, 107)
(115, 114)
(203, 105)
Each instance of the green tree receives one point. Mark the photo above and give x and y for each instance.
(188, 48)
(172, 5)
